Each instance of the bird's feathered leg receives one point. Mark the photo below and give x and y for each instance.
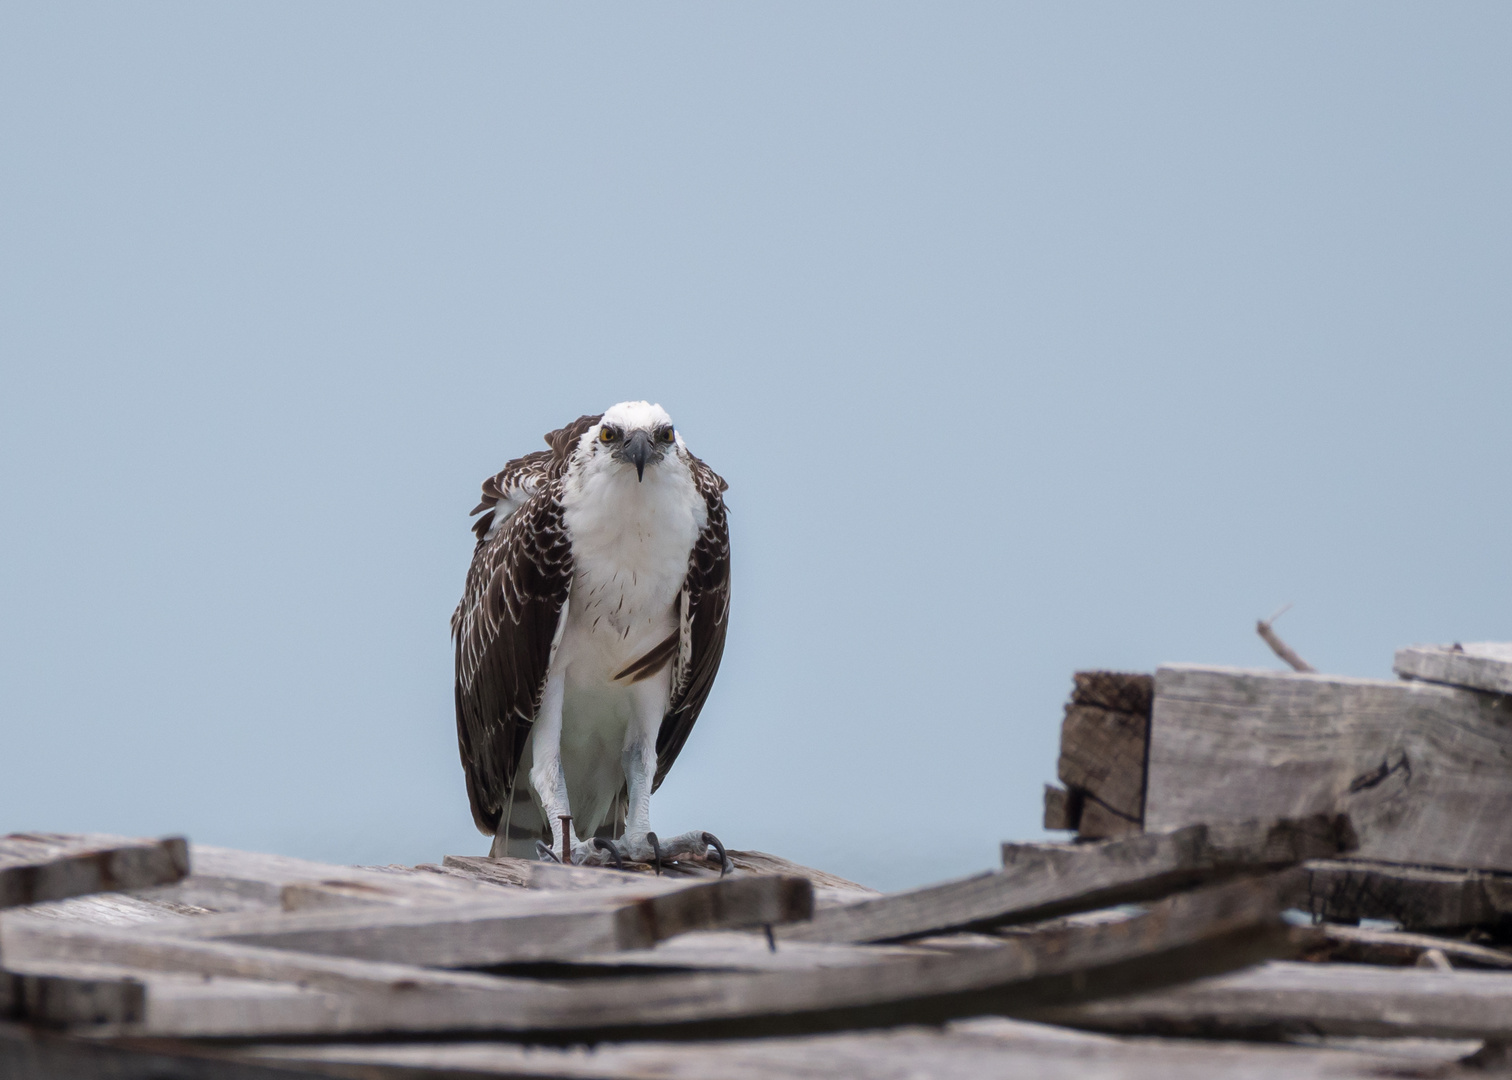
(546, 775)
(638, 759)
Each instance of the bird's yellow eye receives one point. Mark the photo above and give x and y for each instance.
(606, 434)
(667, 434)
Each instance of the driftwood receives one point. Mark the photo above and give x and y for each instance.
(36, 867)
(1424, 771)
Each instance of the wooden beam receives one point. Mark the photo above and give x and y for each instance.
(1280, 999)
(1217, 928)
(1348, 890)
(1042, 880)
(1424, 771)
(36, 867)
(515, 927)
(1484, 665)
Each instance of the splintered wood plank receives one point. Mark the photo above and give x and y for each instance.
(1479, 665)
(983, 1049)
(1424, 771)
(518, 927)
(1042, 880)
(1348, 890)
(36, 867)
(1299, 998)
(1217, 928)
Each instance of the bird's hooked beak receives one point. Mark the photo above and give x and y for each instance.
(637, 449)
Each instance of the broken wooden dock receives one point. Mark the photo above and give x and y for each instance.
(1268, 879)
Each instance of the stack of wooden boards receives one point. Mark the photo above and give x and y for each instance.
(206, 962)
(1235, 827)
(1422, 768)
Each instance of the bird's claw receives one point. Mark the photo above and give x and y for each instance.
(712, 841)
(544, 852)
(655, 852)
(603, 844)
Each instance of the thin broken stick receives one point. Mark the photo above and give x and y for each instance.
(1279, 647)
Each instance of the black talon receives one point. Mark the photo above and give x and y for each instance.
(608, 845)
(725, 865)
(655, 852)
(544, 852)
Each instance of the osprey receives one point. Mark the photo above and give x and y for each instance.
(589, 635)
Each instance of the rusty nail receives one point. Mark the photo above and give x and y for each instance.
(566, 839)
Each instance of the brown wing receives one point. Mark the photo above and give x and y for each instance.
(505, 624)
(706, 596)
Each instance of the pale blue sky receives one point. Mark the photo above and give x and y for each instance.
(1029, 338)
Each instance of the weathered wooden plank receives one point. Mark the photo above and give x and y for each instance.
(1212, 929)
(1102, 753)
(29, 1052)
(1424, 771)
(1418, 898)
(1299, 998)
(36, 867)
(1480, 665)
(518, 927)
(983, 1049)
(1398, 948)
(1039, 881)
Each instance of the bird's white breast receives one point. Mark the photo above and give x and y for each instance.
(630, 545)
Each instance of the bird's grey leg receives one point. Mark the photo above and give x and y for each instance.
(546, 775)
(638, 759)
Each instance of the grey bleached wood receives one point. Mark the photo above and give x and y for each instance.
(983, 1049)
(1042, 880)
(36, 867)
(1424, 771)
(1347, 890)
(30, 1052)
(1479, 665)
(1212, 929)
(516, 927)
(1300, 998)
(1353, 944)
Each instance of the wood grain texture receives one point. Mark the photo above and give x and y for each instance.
(1217, 928)
(1062, 808)
(1348, 890)
(1481, 665)
(514, 927)
(984, 1049)
(1424, 771)
(1400, 948)
(1043, 880)
(36, 867)
(1298, 998)
(1102, 753)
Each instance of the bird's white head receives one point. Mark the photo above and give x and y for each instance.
(634, 434)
